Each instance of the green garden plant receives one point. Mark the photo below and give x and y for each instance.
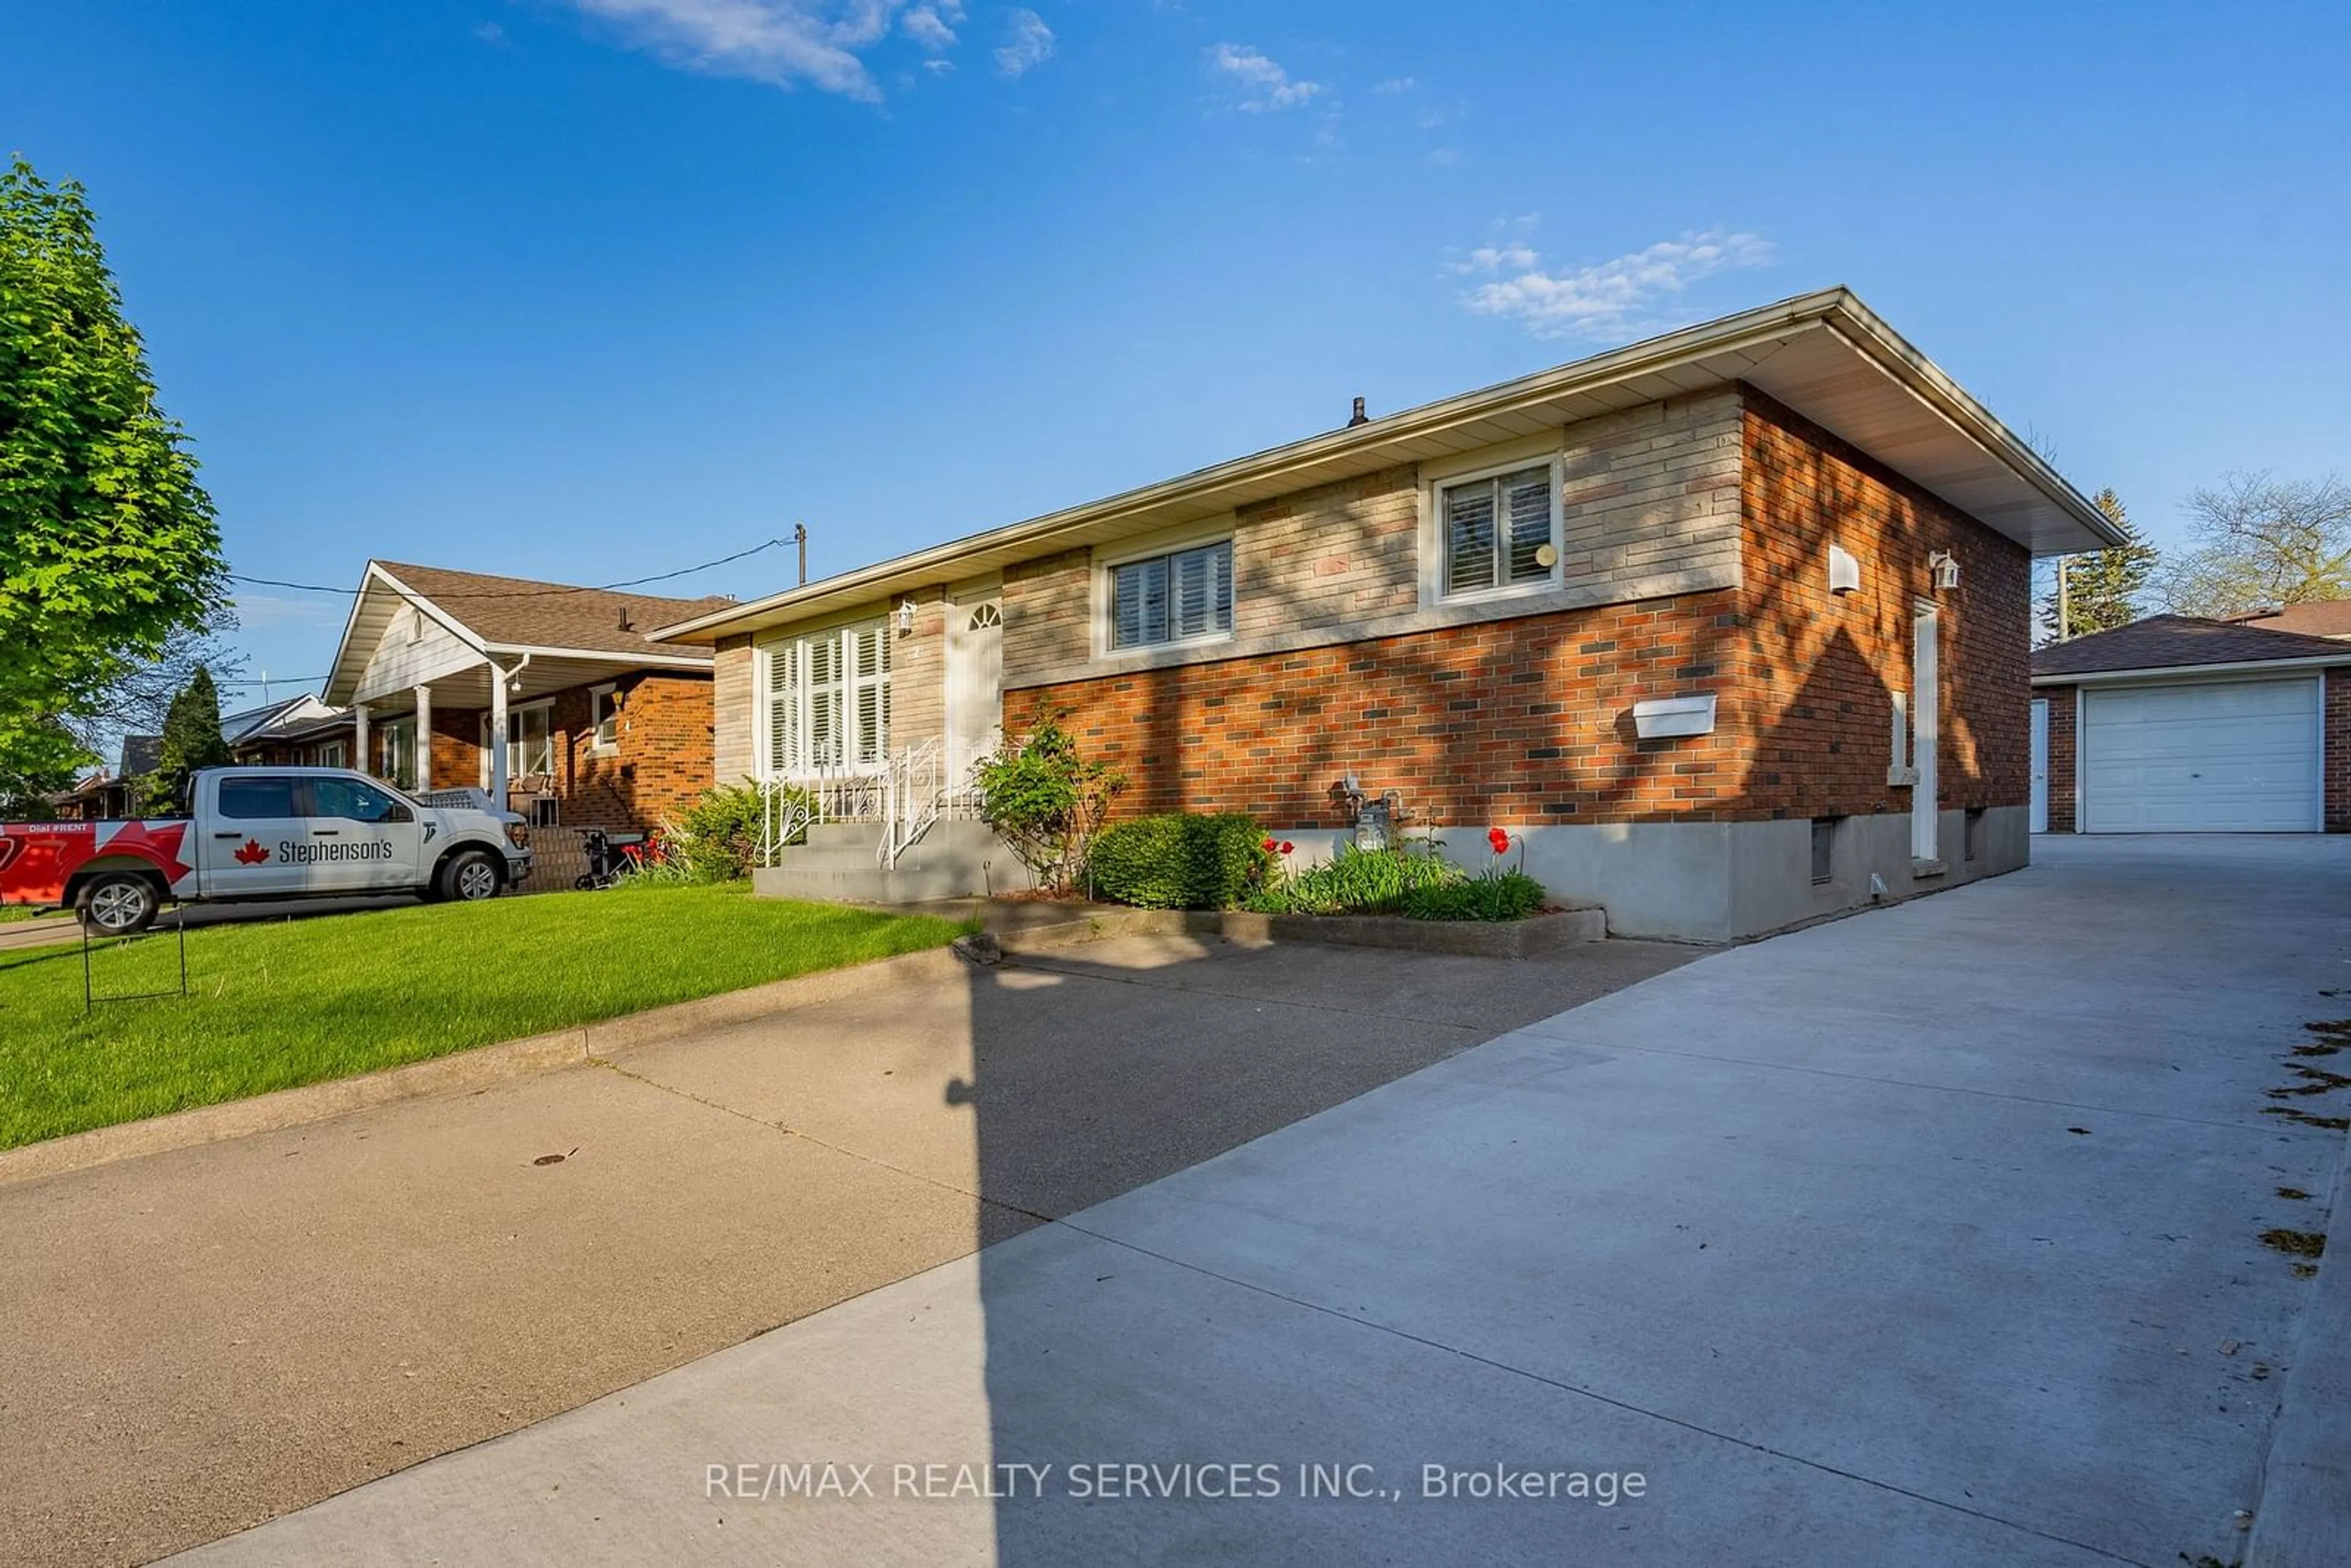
(1047, 800)
(1181, 860)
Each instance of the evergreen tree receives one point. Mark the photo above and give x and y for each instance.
(2101, 589)
(192, 738)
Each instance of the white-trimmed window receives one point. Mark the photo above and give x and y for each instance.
(604, 714)
(530, 740)
(1181, 596)
(827, 696)
(1499, 532)
(396, 751)
(328, 754)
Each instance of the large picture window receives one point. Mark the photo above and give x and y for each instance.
(1183, 596)
(829, 701)
(530, 741)
(1499, 532)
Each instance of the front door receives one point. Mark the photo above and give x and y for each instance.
(1925, 731)
(258, 836)
(975, 686)
(360, 838)
(2040, 765)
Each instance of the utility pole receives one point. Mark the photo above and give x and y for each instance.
(800, 538)
(2064, 598)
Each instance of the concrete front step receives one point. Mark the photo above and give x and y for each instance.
(956, 857)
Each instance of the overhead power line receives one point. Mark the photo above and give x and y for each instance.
(549, 592)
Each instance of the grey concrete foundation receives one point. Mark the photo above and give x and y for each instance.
(1724, 881)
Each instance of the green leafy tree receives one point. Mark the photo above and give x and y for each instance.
(2101, 589)
(2262, 543)
(192, 733)
(109, 548)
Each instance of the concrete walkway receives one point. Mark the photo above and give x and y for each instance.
(203, 1339)
(1932, 1235)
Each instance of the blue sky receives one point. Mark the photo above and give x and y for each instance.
(586, 289)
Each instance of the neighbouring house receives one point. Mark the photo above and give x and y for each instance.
(293, 731)
(1728, 628)
(548, 698)
(2176, 725)
(2322, 618)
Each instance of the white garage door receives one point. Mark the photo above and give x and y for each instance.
(2237, 757)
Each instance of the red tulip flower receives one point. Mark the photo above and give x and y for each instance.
(1287, 846)
(1268, 846)
(1499, 839)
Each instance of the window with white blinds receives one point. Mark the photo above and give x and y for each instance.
(1499, 532)
(1183, 596)
(828, 700)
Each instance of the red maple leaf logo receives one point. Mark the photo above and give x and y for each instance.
(252, 853)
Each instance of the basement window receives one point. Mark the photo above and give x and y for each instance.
(1824, 849)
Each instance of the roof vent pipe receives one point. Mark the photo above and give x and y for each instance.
(1359, 416)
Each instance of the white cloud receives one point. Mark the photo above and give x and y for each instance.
(1611, 299)
(932, 26)
(784, 42)
(1394, 84)
(1028, 44)
(1263, 85)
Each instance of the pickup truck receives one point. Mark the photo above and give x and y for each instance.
(264, 832)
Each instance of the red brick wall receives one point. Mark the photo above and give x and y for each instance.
(2065, 706)
(1508, 721)
(1530, 720)
(662, 762)
(1817, 670)
(2337, 759)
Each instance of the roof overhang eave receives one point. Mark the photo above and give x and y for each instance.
(1842, 338)
(2311, 663)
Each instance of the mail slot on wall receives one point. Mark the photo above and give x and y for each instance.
(1661, 716)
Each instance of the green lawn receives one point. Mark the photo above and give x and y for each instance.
(280, 1003)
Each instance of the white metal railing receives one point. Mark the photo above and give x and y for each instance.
(903, 797)
(913, 792)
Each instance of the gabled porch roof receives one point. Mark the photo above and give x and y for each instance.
(415, 625)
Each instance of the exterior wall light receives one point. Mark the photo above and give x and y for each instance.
(905, 616)
(1946, 568)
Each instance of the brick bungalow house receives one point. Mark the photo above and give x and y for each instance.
(2176, 725)
(601, 726)
(1730, 626)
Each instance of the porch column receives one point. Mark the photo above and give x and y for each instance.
(361, 761)
(497, 737)
(424, 738)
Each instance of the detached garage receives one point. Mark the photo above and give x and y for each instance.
(2174, 725)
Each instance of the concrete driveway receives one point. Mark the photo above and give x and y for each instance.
(202, 1340)
(1933, 1235)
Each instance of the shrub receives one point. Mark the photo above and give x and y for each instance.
(1357, 882)
(1493, 895)
(716, 838)
(1180, 861)
(1046, 801)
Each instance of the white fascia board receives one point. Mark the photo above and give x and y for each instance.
(601, 655)
(2310, 663)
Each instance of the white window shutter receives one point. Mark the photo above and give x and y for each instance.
(1469, 537)
(1527, 501)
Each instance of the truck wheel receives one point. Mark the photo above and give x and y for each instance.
(469, 877)
(118, 903)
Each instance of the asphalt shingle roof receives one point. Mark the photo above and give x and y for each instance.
(2164, 642)
(513, 612)
(2327, 618)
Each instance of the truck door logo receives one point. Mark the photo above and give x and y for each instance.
(252, 853)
